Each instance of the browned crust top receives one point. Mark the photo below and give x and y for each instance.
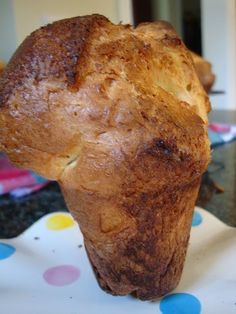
(118, 117)
(53, 51)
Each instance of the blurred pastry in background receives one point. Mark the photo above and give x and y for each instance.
(204, 71)
(2, 65)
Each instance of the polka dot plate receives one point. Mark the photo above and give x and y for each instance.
(46, 270)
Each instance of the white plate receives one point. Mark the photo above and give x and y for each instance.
(46, 271)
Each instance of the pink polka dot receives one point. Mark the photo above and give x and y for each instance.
(61, 275)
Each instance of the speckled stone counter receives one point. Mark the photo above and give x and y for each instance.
(16, 216)
(223, 171)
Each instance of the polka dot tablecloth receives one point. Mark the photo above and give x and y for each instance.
(46, 270)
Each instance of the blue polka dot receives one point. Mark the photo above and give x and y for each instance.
(197, 219)
(38, 178)
(6, 250)
(1, 189)
(180, 303)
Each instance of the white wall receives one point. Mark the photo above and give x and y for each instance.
(18, 18)
(169, 10)
(219, 47)
(125, 11)
(31, 14)
(8, 40)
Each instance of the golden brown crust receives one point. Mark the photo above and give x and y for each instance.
(52, 52)
(117, 133)
(176, 70)
(45, 64)
(147, 267)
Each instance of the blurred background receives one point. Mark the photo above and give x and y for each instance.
(208, 27)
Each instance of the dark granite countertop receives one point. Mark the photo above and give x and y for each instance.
(223, 171)
(17, 215)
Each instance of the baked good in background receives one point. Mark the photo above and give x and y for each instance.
(2, 65)
(118, 117)
(204, 71)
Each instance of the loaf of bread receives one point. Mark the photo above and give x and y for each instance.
(118, 117)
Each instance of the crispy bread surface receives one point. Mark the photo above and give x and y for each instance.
(118, 117)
